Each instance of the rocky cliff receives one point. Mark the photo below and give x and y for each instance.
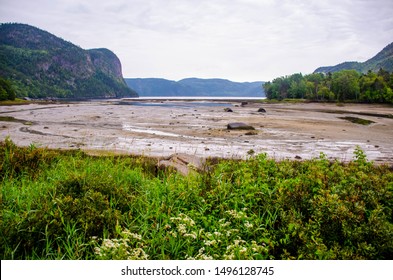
(41, 65)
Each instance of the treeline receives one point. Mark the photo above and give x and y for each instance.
(345, 85)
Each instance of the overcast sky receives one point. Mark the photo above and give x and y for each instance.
(240, 40)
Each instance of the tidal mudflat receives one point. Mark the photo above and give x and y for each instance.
(162, 128)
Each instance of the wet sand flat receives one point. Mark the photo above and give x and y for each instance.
(162, 128)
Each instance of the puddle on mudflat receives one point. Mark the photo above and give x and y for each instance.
(155, 132)
(12, 119)
(357, 120)
(388, 116)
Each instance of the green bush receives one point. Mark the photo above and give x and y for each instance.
(68, 205)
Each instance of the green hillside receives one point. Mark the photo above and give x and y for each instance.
(41, 65)
(384, 60)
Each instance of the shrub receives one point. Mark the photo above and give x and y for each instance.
(67, 205)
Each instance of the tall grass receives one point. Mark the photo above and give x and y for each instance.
(68, 205)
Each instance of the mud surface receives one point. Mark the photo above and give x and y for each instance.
(162, 128)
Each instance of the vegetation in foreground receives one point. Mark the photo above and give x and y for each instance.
(68, 205)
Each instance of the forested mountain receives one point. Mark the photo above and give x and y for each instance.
(384, 60)
(39, 65)
(195, 87)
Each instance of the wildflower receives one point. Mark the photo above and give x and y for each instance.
(226, 224)
(97, 251)
(248, 225)
(122, 248)
(167, 227)
(108, 243)
(209, 243)
(136, 236)
(229, 257)
(182, 228)
(200, 256)
(236, 215)
(138, 254)
(239, 241)
(192, 235)
(229, 232)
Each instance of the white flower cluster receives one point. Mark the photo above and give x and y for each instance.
(237, 214)
(239, 249)
(248, 225)
(222, 242)
(129, 247)
(184, 226)
(183, 218)
(200, 256)
(224, 224)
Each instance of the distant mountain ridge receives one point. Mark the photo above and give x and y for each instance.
(195, 87)
(384, 60)
(41, 65)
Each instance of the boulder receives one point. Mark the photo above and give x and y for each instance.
(183, 163)
(228, 110)
(261, 110)
(240, 126)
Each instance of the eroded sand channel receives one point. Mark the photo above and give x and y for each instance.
(162, 129)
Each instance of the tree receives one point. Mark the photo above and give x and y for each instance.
(375, 88)
(325, 93)
(313, 83)
(297, 89)
(345, 85)
(6, 90)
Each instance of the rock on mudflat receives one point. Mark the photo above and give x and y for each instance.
(261, 110)
(228, 110)
(183, 163)
(240, 126)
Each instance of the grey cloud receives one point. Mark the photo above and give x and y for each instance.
(258, 39)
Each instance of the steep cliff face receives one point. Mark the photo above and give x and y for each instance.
(107, 61)
(42, 65)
